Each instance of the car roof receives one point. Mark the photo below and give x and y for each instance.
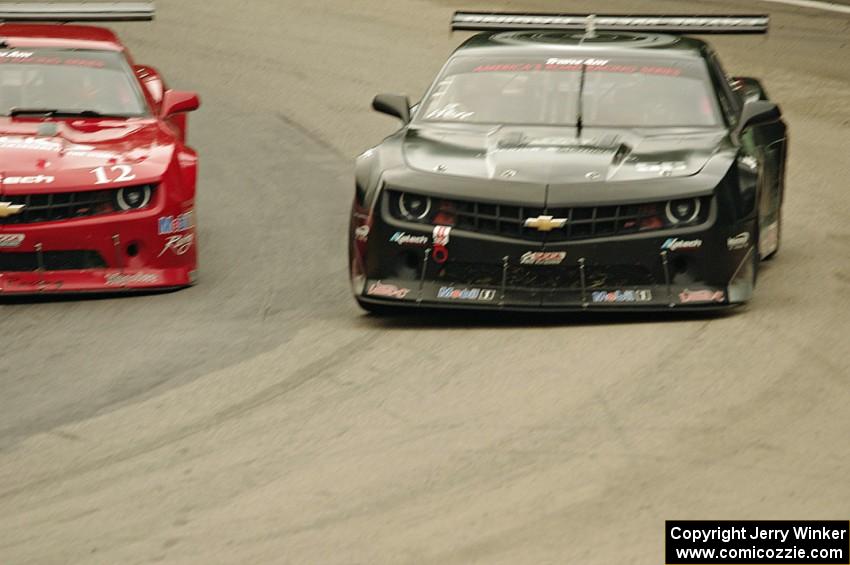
(526, 42)
(59, 36)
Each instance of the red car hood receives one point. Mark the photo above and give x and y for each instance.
(63, 155)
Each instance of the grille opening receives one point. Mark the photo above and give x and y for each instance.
(580, 214)
(628, 226)
(606, 212)
(489, 225)
(408, 265)
(680, 265)
(60, 206)
(605, 228)
(583, 230)
(583, 222)
(488, 210)
(51, 261)
(512, 212)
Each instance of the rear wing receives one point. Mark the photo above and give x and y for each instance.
(512, 21)
(64, 12)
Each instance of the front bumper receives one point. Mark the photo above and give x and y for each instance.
(115, 252)
(637, 272)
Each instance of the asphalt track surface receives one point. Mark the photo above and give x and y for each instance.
(261, 417)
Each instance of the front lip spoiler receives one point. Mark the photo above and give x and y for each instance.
(596, 309)
(94, 294)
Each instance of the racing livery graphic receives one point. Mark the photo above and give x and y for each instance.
(563, 162)
(97, 184)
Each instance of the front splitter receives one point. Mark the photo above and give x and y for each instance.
(437, 294)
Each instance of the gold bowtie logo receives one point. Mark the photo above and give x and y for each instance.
(545, 223)
(8, 209)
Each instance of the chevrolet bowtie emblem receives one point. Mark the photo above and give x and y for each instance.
(545, 223)
(8, 209)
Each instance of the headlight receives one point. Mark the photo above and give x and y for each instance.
(682, 211)
(133, 197)
(414, 207)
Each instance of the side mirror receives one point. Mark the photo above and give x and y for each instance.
(152, 81)
(394, 105)
(178, 101)
(748, 89)
(756, 112)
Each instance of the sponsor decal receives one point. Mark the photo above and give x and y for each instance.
(27, 57)
(88, 151)
(705, 295)
(452, 293)
(620, 296)
(11, 240)
(361, 233)
(589, 62)
(543, 258)
(116, 173)
(42, 286)
(402, 238)
(675, 244)
(387, 290)
(176, 224)
(441, 235)
(551, 64)
(41, 144)
(740, 241)
(29, 143)
(178, 244)
(661, 167)
(120, 279)
(449, 112)
(15, 54)
(37, 179)
(589, 65)
(552, 145)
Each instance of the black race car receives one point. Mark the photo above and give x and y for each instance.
(564, 162)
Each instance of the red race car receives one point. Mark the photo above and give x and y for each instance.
(97, 184)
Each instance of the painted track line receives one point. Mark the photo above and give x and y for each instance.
(815, 5)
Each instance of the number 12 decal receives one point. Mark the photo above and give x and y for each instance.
(121, 173)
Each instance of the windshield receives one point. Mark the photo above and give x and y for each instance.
(616, 92)
(68, 81)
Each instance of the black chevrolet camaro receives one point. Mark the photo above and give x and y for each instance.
(566, 163)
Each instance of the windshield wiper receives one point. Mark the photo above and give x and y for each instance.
(580, 109)
(56, 113)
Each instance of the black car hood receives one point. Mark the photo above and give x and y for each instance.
(600, 164)
(559, 155)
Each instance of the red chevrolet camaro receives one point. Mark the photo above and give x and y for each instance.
(97, 184)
